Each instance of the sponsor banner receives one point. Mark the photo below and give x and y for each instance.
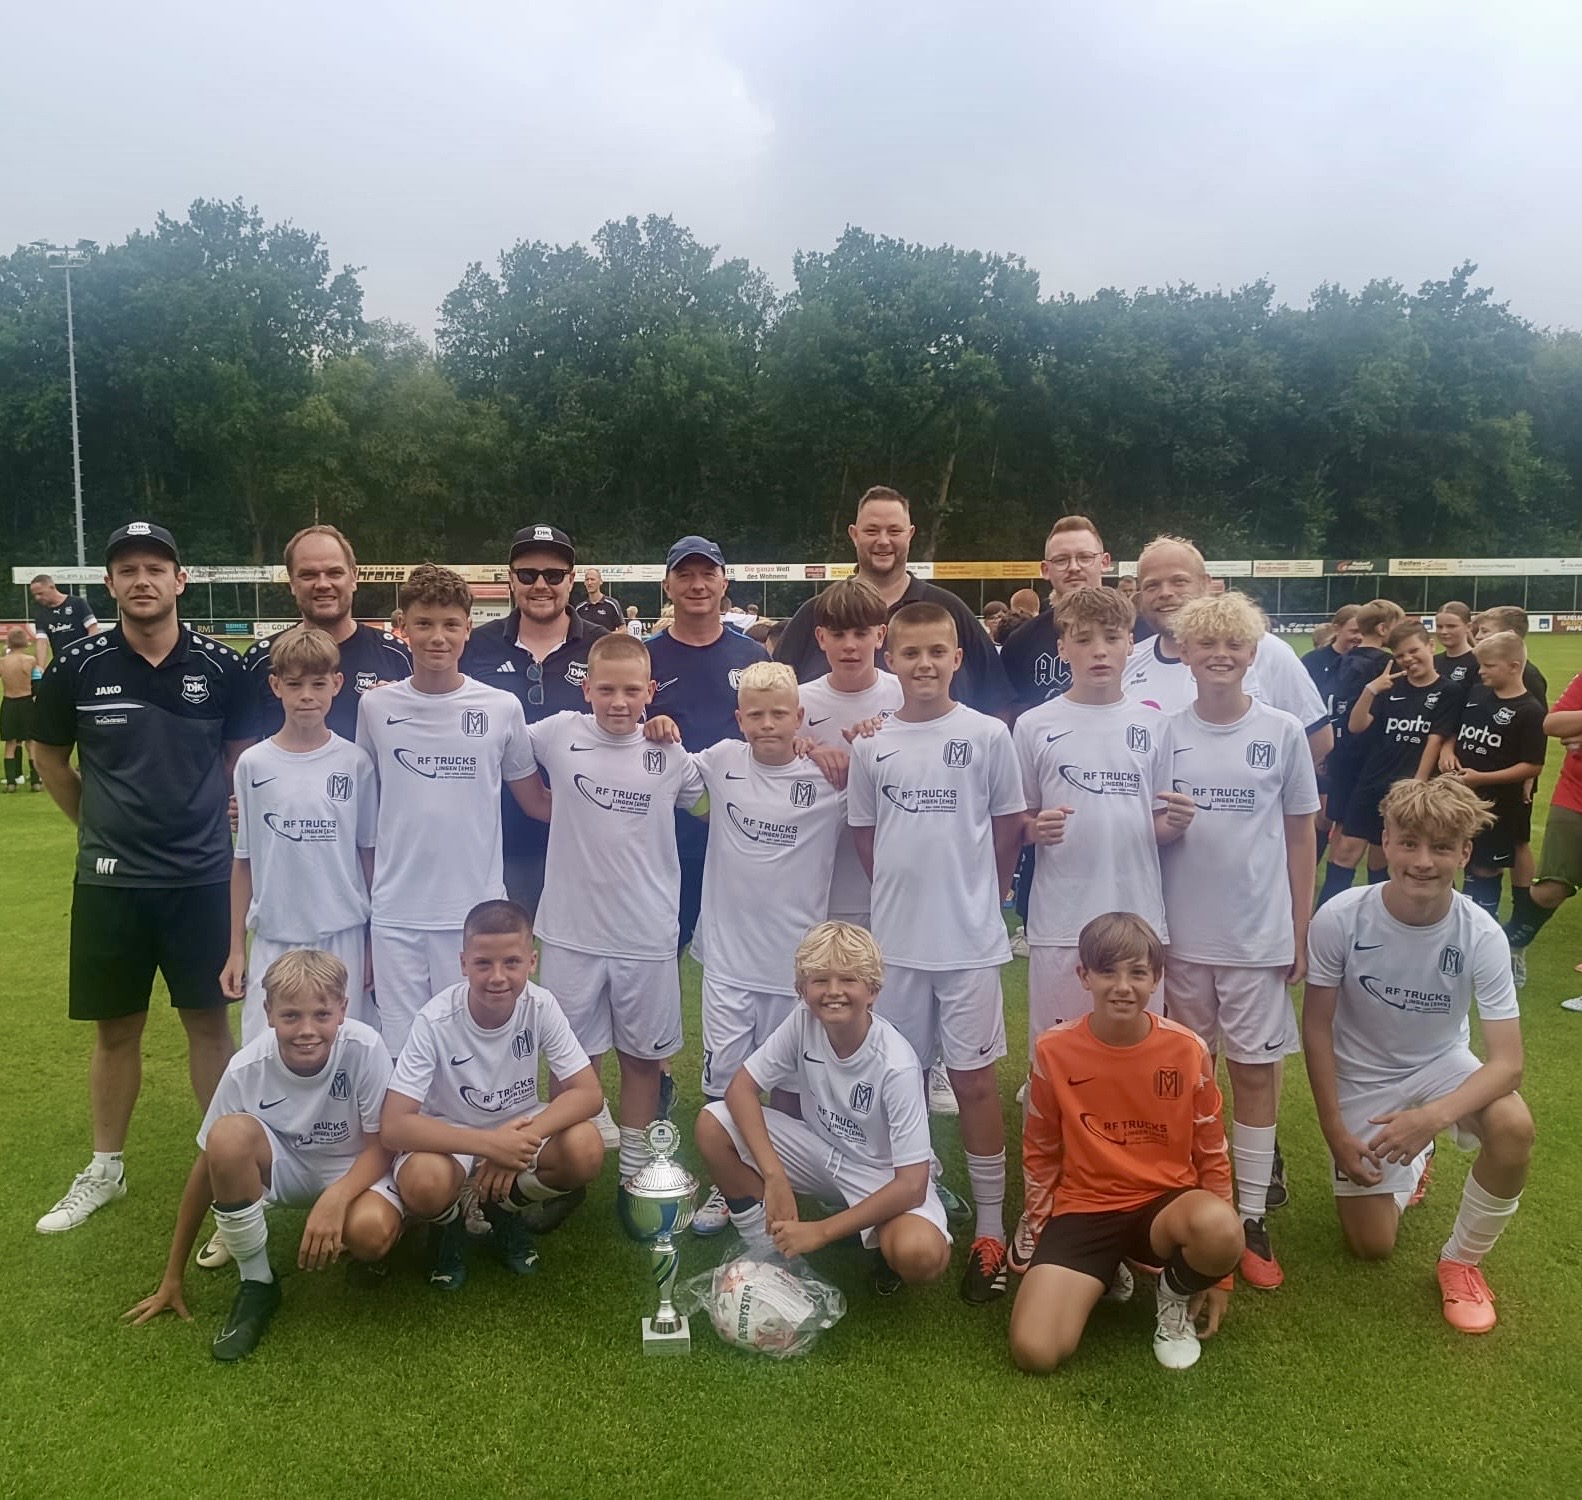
(630, 572)
(1241, 569)
(1292, 567)
(1018, 570)
(1340, 567)
(1562, 624)
(1422, 567)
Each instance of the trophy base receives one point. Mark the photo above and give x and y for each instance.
(654, 1342)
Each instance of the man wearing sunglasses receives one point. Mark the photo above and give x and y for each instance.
(539, 654)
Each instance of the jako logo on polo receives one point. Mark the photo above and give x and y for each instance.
(195, 688)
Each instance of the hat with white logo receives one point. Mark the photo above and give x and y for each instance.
(141, 534)
(538, 538)
(694, 546)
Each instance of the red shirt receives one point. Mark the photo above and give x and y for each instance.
(1568, 789)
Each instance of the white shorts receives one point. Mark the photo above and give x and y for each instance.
(736, 1022)
(631, 1004)
(1055, 994)
(297, 1180)
(816, 1168)
(1242, 1014)
(411, 966)
(349, 945)
(1361, 1103)
(956, 1015)
(388, 1186)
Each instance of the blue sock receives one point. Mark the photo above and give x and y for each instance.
(1484, 891)
(1337, 878)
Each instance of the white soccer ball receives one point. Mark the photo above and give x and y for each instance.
(760, 1306)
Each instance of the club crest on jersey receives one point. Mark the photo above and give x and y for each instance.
(195, 688)
(364, 681)
(1450, 961)
(474, 722)
(803, 793)
(338, 786)
(1167, 1083)
(1138, 738)
(734, 678)
(577, 673)
(340, 1088)
(1260, 755)
(1503, 716)
(1431, 700)
(522, 1045)
(654, 762)
(958, 754)
(862, 1098)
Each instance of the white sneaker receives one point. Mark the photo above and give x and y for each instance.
(216, 1253)
(1519, 967)
(1574, 1005)
(609, 1131)
(1021, 1093)
(941, 1097)
(1019, 943)
(1122, 1285)
(713, 1216)
(90, 1190)
(1175, 1339)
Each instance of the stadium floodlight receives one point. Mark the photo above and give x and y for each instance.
(63, 257)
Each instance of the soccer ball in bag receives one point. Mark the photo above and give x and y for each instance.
(760, 1306)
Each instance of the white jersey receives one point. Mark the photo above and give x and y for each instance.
(868, 1107)
(1276, 677)
(772, 837)
(477, 1078)
(826, 713)
(1404, 992)
(1107, 762)
(441, 758)
(929, 791)
(1227, 886)
(301, 817)
(614, 795)
(328, 1118)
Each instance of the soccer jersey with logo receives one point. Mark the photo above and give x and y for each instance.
(1226, 883)
(868, 1107)
(930, 792)
(300, 820)
(1107, 763)
(827, 712)
(614, 794)
(440, 759)
(480, 1077)
(1392, 745)
(1276, 677)
(64, 624)
(328, 1117)
(368, 657)
(1493, 734)
(772, 837)
(1404, 992)
(1459, 671)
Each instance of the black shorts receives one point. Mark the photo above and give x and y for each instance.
(121, 934)
(1495, 847)
(1362, 819)
(1095, 1244)
(16, 718)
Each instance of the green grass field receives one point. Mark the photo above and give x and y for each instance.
(1345, 1381)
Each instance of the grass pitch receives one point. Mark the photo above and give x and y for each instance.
(1344, 1381)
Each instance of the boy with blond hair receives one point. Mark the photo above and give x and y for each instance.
(1392, 972)
(1238, 888)
(307, 808)
(862, 1140)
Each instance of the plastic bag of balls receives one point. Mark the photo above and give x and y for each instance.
(769, 1306)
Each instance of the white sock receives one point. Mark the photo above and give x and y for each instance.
(753, 1227)
(987, 1175)
(1253, 1152)
(246, 1236)
(530, 1188)
(1478, 1223)
(108, 1162)
(634, 1152)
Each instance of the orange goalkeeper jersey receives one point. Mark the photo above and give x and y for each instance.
(1113, 1127)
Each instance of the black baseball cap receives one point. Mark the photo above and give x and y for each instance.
(141, 534)
(530, 537)
(694, 546)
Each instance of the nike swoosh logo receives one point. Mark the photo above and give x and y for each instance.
(389, 720)
(265, 781)
(732, 776)
(1050, 739)
(887, 754)
(1077, 1083)
(456, 1062)
(1273, 1046)
(1365, 947)
(812, 722)
(984, 1051)
(659, 687)
(271, 1103)
(577, 749)
(810, 1058)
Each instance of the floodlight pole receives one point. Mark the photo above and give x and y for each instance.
(65, 258)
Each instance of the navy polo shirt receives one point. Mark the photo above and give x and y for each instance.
(150, 743)
(63, 624)
(368, 656)
(696, 685)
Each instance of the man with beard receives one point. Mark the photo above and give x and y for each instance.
(599, 608)
(539, 654)
(882, 536)
(1074, 558)
(322, 570)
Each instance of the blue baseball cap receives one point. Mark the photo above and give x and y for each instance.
(694, 546)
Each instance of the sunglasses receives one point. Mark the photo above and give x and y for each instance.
(554, 577)
(535, 672)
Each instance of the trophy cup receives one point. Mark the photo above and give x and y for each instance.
(657, 1204)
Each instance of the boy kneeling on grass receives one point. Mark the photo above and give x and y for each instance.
(294, 1121)
(863, 1136)
(1124, 1157)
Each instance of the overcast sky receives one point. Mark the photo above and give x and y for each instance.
(1112, 143)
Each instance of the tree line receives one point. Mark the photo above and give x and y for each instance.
(642, 386)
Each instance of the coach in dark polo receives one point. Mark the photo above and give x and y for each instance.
(322, 570)
(157, 714)
(882, 535)
(538, 653)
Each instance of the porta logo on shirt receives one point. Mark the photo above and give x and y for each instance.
(613, 798)
(338, 786)
(474, 722)
(1402, 997)
(438, 767)
(1408, 731)
(958, 754)
(303, 830)
(195, 688)
(761, 830)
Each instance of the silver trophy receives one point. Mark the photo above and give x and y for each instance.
(657, 1204)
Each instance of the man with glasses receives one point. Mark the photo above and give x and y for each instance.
(539, 654)
(1074, 558)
